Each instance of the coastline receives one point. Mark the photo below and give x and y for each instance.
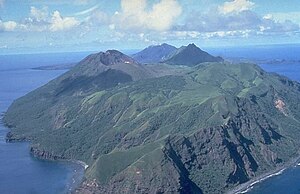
(78, 167)
(78, 174)
(44, 155)
(77, 179)
(76, 183)
(81, 163)
(79, 170)
(33, 175)
(246, 187)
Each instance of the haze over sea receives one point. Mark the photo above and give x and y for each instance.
(36, 176)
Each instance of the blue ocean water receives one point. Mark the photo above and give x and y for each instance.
(20, 173)
(23, 61)
(281, 59)
(288, 52)
(286, 183)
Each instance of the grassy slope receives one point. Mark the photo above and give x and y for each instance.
(206, 131)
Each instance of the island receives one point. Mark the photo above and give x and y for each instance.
(187, 122)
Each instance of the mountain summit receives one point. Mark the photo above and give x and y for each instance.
(97, 63)
(205, 130)
(154, 54)
(191, 55)
(111, 57)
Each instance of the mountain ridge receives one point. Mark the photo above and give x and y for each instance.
(190, 55)
(206, 129)
(154, 53)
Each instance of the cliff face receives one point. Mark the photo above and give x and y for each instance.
(222, 156)
(204, 131)
(44, 155)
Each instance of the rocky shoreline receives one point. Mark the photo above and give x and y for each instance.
(245, 187)
(84, 186)
(11, 138)
(44, 155)
(91, 186)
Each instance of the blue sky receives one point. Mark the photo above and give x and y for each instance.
(66, 25)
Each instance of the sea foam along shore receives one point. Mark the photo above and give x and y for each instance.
(246, 187)
(83, 164)
(260, 180)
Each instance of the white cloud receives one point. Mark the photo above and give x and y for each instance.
(39, 20)
(236, 6)
(240, 23)
(58, 23)
(268, 17)
(8, 26)
(223, 34)
(112, 26)
(84, 12)
(187, 34)
(134, 15)
(283, 16)
(39, 14)
(3, 46)
(98, 17)
(163, 14)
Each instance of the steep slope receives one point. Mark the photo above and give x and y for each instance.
(95, 64)
(99, 71)
(190, 55)
(154, 54)
(206, 131)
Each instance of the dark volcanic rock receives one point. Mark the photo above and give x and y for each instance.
(10, 137)
(44, 155)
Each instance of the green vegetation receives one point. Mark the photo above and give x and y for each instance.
(208, 129)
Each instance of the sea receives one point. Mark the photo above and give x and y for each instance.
(281, 59)
(20, 173)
